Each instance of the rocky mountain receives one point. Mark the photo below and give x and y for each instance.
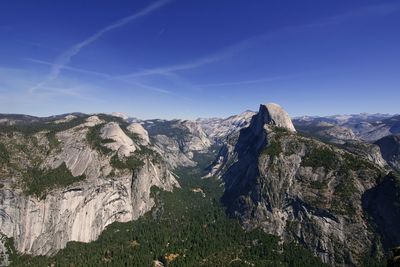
(66, 179)
(64, 176)
(179, 140)
(218, 129)
(339, 129)
(390, 148)
(304, 190)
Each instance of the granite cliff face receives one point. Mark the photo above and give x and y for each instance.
(177, 140)
(299, 188)
(111, 173)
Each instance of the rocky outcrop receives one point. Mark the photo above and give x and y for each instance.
(367, 151)
(4, 251)
(92, 121)
(74, 151)
(121, 142)
(173, 152)
(82, 210)
(218, 129)
(273, 114)
(79, 212)
(298, 188)
(141, 134)
(178, 140)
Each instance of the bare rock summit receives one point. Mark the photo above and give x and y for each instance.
(274, 114)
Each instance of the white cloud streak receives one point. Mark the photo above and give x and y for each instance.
(229, 51)
(63, 60)
(255, 81)
(105, 76)
(169, 70)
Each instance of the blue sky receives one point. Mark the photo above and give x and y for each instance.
(199, 58)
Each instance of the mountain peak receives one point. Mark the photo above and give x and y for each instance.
(274, 114)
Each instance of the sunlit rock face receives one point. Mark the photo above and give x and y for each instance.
(137, 129)
(273, 114)
(122, 143)
(82, 210)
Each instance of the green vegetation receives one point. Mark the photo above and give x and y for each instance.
(134, 136)
(344, 191)
(320, 157)
(39, 182)
(347, 167)
(150, 154)
(95, 141)
(280, 132)
(273, 149)
(132, 162)
(136, 160)
(35, 127)
(293, 147)
(184, 229)
(172, 129)
(319, 185)
(313, 131)
(357, 164)
(4, 155)
(107, 141)
(53, 141)
(47, 124)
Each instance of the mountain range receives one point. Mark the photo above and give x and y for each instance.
(303, 192)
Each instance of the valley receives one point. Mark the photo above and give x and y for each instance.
(248, 190)
(184, 229)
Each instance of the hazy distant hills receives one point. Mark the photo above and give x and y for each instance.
(339, 129)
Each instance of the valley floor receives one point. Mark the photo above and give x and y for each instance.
(186, 228)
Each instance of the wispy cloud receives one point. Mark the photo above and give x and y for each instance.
(231, 50)
(105, 76)
(63, 60)
(75, 92)
(254, 81)
(274, 78)
(169, 70)
(78, 70)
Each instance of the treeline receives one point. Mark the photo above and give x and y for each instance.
(38, 182)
